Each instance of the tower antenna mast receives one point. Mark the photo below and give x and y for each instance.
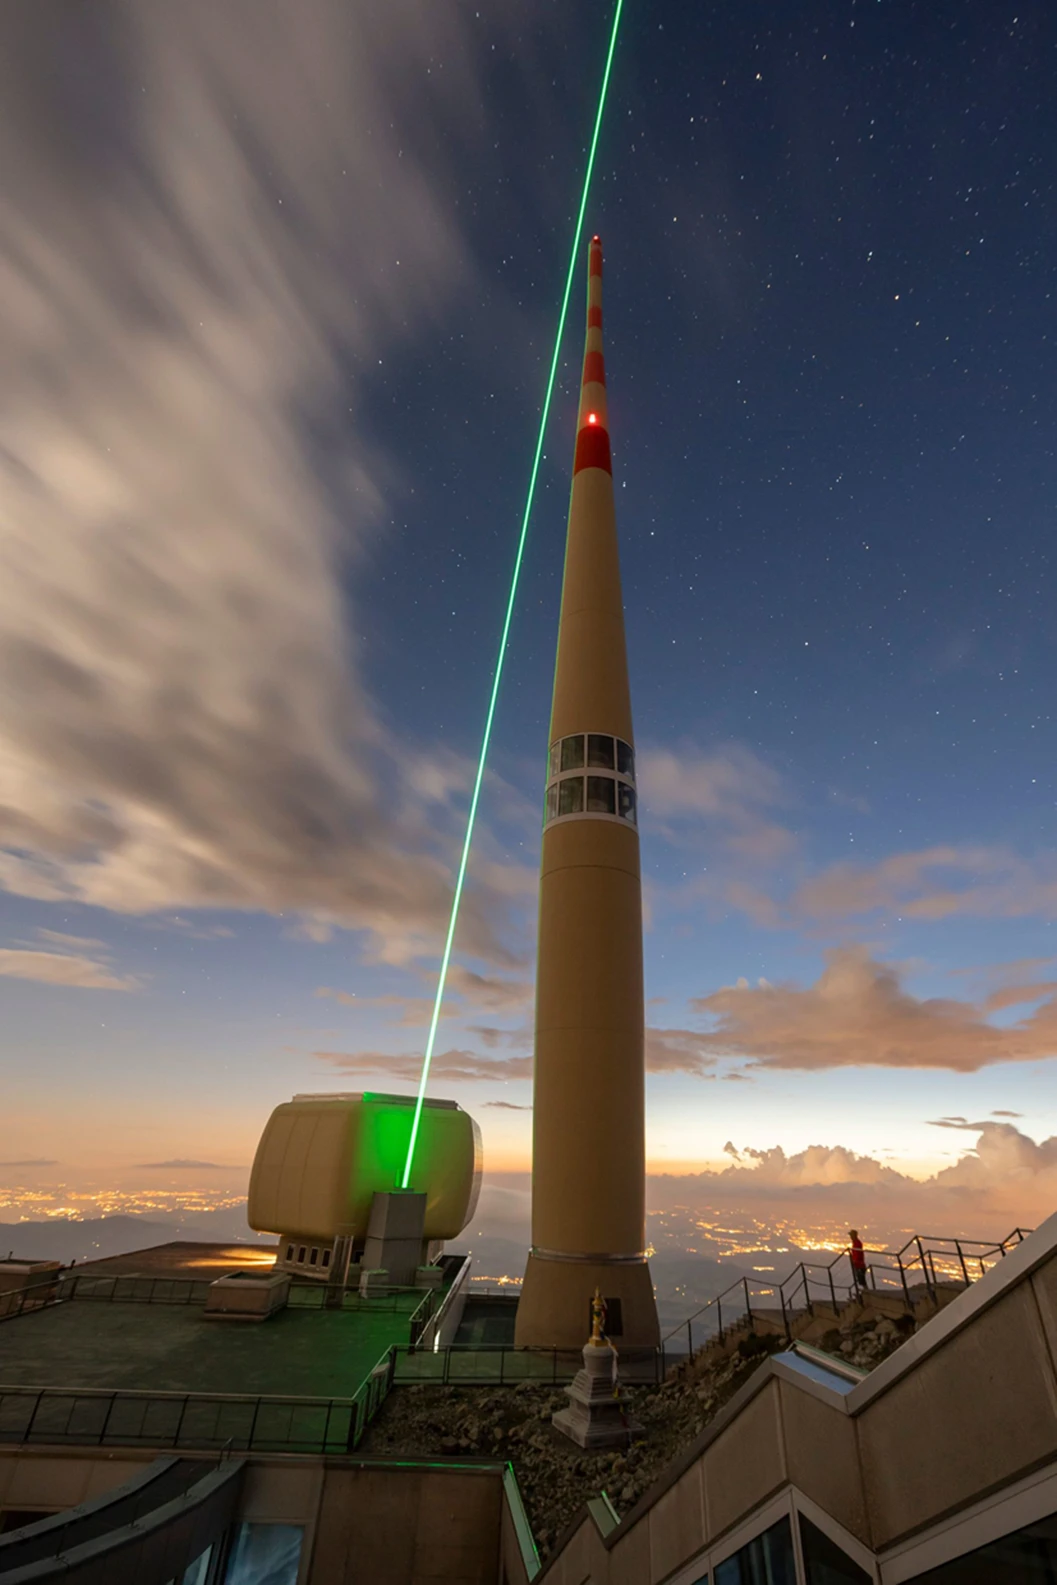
(460, 878)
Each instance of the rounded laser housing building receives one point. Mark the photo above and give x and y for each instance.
(322, 1158)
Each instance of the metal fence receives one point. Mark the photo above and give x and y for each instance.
(419, 1304)
(925, 1264)
(192, 1421)
(497, 1365)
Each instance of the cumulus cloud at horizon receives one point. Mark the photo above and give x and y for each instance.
(1006, 1179)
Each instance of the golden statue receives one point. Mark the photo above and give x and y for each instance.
(598, 1320)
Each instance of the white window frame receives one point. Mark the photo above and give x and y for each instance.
(612, 774)
(790, 1504)
(1025, 1502)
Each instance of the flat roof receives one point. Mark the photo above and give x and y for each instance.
(172, 1348)
(129, 1343)
(184, 1258)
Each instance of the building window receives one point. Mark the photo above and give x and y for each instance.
(264, 1554)
(571, 796)
(611, 795)
(197, 1572)
(600, 752)
(824, 1561)
(601, 795)
(767, 1560)
(313, 1256)
(289, 1251)
(301, 1255)
(1026, 1557)
(572, 753)
(326, 1257)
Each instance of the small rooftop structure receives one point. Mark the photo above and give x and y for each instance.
(322, 1160)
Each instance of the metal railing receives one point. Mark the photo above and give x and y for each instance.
(925, 1264)
(307, 1295)
(224, 1421)
(496, 1364)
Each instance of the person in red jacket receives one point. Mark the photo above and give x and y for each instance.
(858, 1258)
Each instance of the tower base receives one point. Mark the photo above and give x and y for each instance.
(554, 1310)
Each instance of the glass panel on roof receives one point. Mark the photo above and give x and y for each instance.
(600, 751)
(572, 753)
(626, 801)
(825, 1563)
(625, 758)
(767, 1560)
(571, 796)
(601, 795)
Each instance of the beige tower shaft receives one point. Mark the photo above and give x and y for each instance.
(588, 1170)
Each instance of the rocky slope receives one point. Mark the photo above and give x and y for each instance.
(556, 1477)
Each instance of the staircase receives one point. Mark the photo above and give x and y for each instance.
(916, 1281)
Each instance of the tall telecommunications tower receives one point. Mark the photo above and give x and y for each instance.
(588, 1169)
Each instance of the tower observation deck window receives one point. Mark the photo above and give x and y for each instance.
(571, 795)
(610, 795)
(600, 754)
(601, 795)
(572, 754)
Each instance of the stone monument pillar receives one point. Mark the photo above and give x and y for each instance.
(597, 1416)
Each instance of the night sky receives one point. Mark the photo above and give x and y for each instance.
(280, 292)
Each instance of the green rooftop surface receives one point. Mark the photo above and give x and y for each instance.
(172, 1348)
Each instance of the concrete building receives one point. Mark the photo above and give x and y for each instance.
(149, 1446)
(588, 1145)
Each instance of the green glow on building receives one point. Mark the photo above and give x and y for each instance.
(486, 739)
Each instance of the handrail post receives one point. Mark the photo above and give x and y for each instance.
(965, 1269)
(690, 1339)
(832, 1289)
(748, 1302)
(785, 1317)
(179, 1421)
(719, 1314)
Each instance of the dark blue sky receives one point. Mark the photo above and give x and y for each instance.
(830, 285)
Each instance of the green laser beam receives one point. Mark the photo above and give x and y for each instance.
(479, 779)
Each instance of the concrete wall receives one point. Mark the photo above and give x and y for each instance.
(47, 1482)
(977, 1413)
(408, 1527)
(964, 1409)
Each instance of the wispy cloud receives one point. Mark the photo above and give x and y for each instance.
(30, 1161)
(59, 938)
(936, 883)
(454, 1065)
(64, 968)
(858, 1014)
(191, 277)
(181, 1164)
